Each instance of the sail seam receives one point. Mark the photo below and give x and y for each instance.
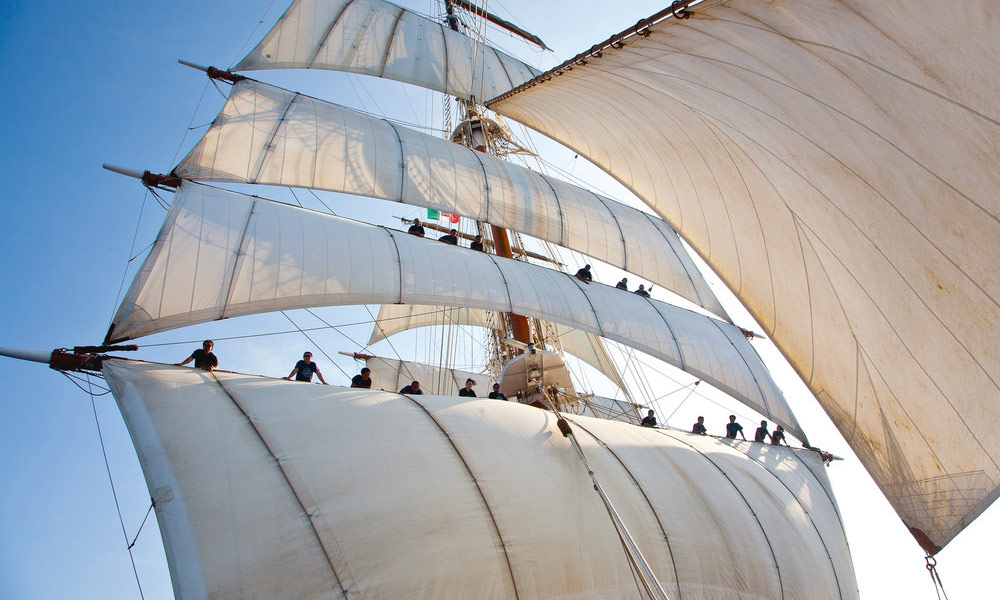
(402, 159)
(756, 382)
(323, 40)
(673, 336)
(295, 493)
(763, 532)
(475, 481)
(392, 41)
(486, 184)
(593, 310)
(506, 286)
(269, 146)
(399, 261)
(562, 216)
(621, 234)
(447, 59)
(240, 257)
(642, 491)
(360, 35)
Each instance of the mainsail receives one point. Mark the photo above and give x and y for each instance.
(396, 318)
(391, 374)
(835, 163)
(221, 254)
(364, 518)
(378, 38)
(267, 135)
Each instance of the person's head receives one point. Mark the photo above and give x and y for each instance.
(701, 420)
(207, 345)
(732, 418)
(416, 221)
(496, 387)
(586, 267)
(650, 413)
(307, 357)
(414, 385)
(763, 423)
(624, 279)
(453, 232)
(479, 238)
(469, 383)
(366, 373)
(779, 428)
(641, 287)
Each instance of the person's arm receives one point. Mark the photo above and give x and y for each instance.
(292, 374)
(320, 375)
(186, 361)
(741, 434)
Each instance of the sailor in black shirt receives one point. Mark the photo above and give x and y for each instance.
(202, 357)
(496, 394)
(649, 421)
(304, 370)
(699, 427)
(413, 388)
(623, 284)
(451, 238)
(477, 244)
(416, 229)
(778, 436)
(467, 390)
(642, 291)
(584, 274)
(364, 380)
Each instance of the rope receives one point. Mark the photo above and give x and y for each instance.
(935, 577)
(313, 342)
(152, 503)
(114, 494)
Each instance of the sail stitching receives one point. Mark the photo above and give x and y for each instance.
(694, 286)
(506, 285)
(402, 159)
(763, 532)
(312, 518)
(593, 310)
(399, 261)
(391, 42)
(763, 396)
(359, 36)
(241, 253)
(475, 481)
(621, 233)
(642, 491)
(323, 40)
(488, 198)
(269, 147)
(673, 336)
(562, 216)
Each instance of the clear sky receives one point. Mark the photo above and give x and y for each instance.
(92, 82)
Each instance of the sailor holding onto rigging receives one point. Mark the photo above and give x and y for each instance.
(202, 357)
(304, 370)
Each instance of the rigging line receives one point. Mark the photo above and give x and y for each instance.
(384, 336)
(114, 494)
(317, 345)
(131, 250)
(666, 421)
(253, 32)
(194, 114)
(152, 503)
(320, 200)
(297, 201)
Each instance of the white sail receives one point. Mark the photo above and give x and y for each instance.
(835, 163)
(221, 254)
(390, 374)
(396, 318)
(378, 38)
(265, 488)
(268, 135)
(602, 407)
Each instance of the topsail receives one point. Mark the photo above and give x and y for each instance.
(835, 163)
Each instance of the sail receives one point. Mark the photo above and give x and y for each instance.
(601, 407)
(390, 374)
(265, 488)
(835, 163)
(221, 254)
(395, 318)
(268, 135)
(378, 38)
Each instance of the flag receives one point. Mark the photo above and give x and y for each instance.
(452, 218)
(433, 215)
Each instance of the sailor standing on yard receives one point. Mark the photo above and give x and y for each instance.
(203, 357)
(761, 432)
(732, 428)
(778, 437)
(304, 370)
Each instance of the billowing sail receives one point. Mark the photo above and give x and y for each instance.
(395, 318)
(265, 488)
(221, 254)
(268, 135)
(836, 163)
(378, 38)
(390, 374)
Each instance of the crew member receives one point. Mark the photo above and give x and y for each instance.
(416, 229)
(202, 357)
(364, 380)
(305, 368)
(467, 390)
(584, 274)
(451, 238)
(496, 394)
(732, 428)
(623, 284)
(699, 427)
(650, 420)
(413, 388)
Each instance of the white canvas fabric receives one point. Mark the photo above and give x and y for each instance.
(602, 407)
(391, 374)
(268, 135)
(221, 254)
(396, 318)
(834, 161)
(378, 38)
(265, 488)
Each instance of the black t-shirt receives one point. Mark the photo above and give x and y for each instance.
(497, 396)
(621, 286)
(465, 392)
(409, 390)
(306, 371)
(204, 360)
(358, 382)
(477, 246)
(585, 275)
(449, 239)
(698, 428)
(760, 434)
(649, 422)
(642, 293)
(777, 437)
(416, 230)
(732, 429)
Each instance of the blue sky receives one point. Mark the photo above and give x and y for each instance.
(87, 83)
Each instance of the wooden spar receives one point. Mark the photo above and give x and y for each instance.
(472, 8)
(518, 323)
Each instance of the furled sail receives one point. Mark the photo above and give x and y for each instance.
(835, 163)
(268, 135)
(396, 318)
(267, 489)
(378, 38)
(221, 254)
(602, 407)
(390, 374)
